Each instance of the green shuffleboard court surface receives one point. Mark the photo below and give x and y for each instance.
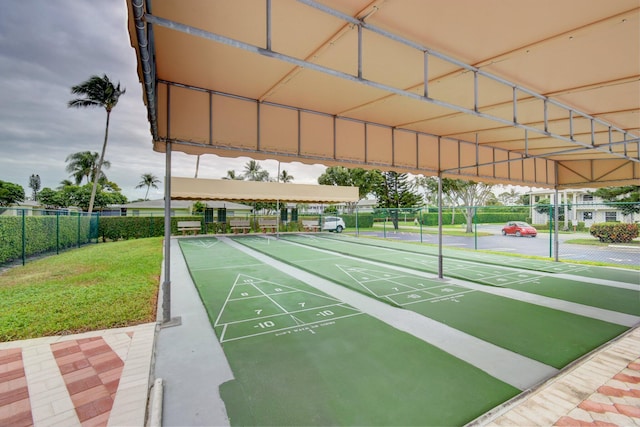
(489, 273)
(302, 357)
(550, 336)
(607, 273)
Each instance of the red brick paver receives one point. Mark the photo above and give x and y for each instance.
(91, 372)
(15, 407)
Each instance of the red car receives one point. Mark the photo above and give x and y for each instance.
(519, 229)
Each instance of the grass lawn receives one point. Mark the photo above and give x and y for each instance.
(447, 230)
(100, 286)
(596, 242)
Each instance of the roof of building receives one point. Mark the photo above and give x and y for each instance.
(183, 204)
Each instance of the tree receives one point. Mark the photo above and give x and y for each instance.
(395, 191)
(84, 164)
(64, 183)
(97, 92)
(254, 172)
(231, 174)
(34, 184)
(365, 180)
(80, 196)
(467, 194)
(52, 199)
(626, 198)
(285, 177)
(510, 197)
(10, 193)
(148, 180)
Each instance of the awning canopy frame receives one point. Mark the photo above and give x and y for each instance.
(602, 141)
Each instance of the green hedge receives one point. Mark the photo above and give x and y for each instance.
(486, 217)
(365, 220)
(614, 232)
(136, 227)
(42, 234)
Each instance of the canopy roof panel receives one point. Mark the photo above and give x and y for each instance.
(543, 93)
(238, 190)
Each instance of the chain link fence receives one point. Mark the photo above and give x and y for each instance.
(536, 230)
(30, 233)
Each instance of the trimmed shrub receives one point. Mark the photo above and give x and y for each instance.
(365, 220)
(486, 217)
(614, 232)
(136, 227)
(43, 233)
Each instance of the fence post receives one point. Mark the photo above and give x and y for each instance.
(57, 232)
(420, 222)
(550, 231)
(475, 227)
(357, 227)
(24, 237)
(78, 236)
(384, 226)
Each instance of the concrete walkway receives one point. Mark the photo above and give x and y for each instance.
(106, 377)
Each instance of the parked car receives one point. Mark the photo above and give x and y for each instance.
(519, 229)
(333, 223)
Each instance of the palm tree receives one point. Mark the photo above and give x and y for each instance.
(64, 183)
(254, 172)
(84, 165)
(148, 180)
(231, 174)
(285, 177)
(97, 92)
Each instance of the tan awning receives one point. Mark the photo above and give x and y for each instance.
(542, 93)
(227, 189)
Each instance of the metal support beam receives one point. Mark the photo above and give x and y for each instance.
(146, 65)
(440, 240)
(167, 321)
(384, 87)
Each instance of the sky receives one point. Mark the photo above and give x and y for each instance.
(48, 46)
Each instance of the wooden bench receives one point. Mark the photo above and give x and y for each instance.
(268, 224)
(185, 226)
(243, 225)
(311, 225)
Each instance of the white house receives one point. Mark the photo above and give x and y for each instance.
(578, 205)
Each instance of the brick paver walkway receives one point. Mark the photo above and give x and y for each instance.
(93, 379)
(103, 378)
(602, 390)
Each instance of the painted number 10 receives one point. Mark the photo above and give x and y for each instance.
(266, 324)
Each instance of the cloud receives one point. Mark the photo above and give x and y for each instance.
(48, 46)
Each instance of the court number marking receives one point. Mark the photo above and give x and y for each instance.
(265, 324)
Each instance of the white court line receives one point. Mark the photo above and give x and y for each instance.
(508, 366)
(225, 267)
(235, 322)
(260, 296)
(442, 297)
(328, 319)
(541, 300)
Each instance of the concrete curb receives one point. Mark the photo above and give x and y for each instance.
(155, 404)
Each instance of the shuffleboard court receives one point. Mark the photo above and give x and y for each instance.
(301, 357)
(588, 271)
(620, 299)
(550, 336)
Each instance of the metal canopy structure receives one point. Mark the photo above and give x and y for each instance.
(543, 93)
